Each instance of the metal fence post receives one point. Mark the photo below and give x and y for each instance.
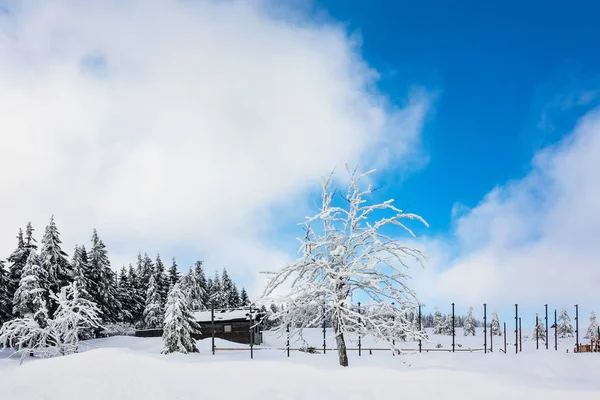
(420, 327)
(546, 306)
(453, 341)
(287, 329)
(484, 328)
(577, 328)
(516, 328)
(491, 339)
(537, 335)
(520, 336)
(359, 343)
(212, 322)
(324, 333)
(251, 334)
(504, 337)
(555, 333)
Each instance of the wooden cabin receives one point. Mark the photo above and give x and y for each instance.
(240, 325)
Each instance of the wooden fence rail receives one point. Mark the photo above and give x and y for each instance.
(349, 349)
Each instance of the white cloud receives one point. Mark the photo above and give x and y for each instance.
(532, 240)
(181, 125)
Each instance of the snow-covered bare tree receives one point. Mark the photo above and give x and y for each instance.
(592, 331)
(540, 330)
(153, 312)
(179, 325)
(59, 335)
(469, 323)
(349, 255)
(565, 329)
(496, 325)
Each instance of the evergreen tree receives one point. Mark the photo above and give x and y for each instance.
(16, 263)
(447, 325)
(5, 299)
(540, 330)
(201, 279)
(179, 324)
(217, 296)
(496, 325)
(234, 297)
(145, 272)
(124, 294)
(105, 295)
(209, 294)
(153, 312)
(592, 331)
(162, 280)
(173, 273)
(30, 295)
(136, 302)
(54, 261)
(469, 323)
(81, 273)
(227, 288)
(438, 322)
(192, 289)
(564, 329)
(244, 299)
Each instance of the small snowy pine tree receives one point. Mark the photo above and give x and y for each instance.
(201, 279)
(438, 322)
(592, 331)
(30, 292)
(173, 273)
(179, 325)
(153, 312)
(244, 299)
(469, 323)
(54, 261)
(540, 329)
(565, 329)
(496, 324)
(5, 299)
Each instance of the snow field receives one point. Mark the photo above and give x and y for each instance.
(133, 368)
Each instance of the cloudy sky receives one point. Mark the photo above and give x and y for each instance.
(200, 130)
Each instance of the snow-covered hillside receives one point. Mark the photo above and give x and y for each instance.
(133, 368)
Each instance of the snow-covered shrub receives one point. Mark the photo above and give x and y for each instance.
(117, 329)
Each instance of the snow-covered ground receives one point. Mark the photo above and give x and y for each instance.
(133, 368)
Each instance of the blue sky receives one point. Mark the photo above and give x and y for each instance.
(206, 139)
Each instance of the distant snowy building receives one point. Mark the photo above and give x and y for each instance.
(240, 325)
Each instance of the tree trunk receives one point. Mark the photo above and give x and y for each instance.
(341, 345)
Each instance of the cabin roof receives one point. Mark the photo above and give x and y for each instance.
(226, 315)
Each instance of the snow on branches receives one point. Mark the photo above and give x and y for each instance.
(60, 335)
(347, 257)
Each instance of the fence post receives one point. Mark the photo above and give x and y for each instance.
(555, 333)
(359, 343)
(287, 330)
(546, 306)
(420, 328)
(212, 322)
(484, 328)
(251, 334)
(520, 336)
(453, 341)
(324, 333)
(577, 328)
(491, 339)
(504, 337)
(537, 335)
(516, 328)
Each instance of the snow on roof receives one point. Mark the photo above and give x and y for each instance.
(225, 315)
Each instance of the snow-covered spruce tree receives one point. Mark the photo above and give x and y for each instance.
(5, 299)
(564, 329)
(153, 312)
(217, 295)
(173, 273)
(438, 323)
(592, 331)
(496, 325)
(31, 293)
(540, 329)
(162, 280)
(349, 256)
(54, 261)
(192, 289)
(201, 279)
(244, 299)
(227, 287)
(234, 297)
(447, 325)
(179, 325)
(105, 295)
(469, 323)
(81, 272)
(137, 299)
(16, 263)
